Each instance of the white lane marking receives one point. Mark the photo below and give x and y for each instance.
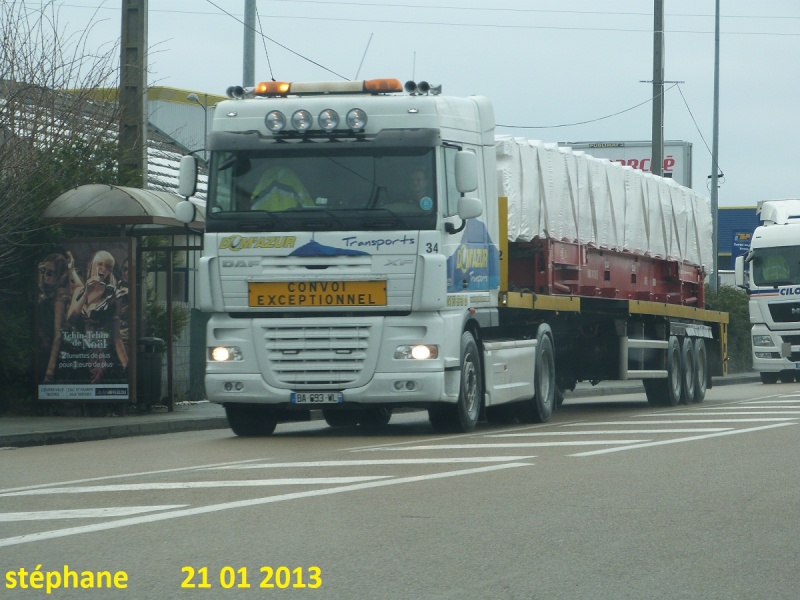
(379, 462)
(124, 475)
(509, 445)
(212, 508)
(766, 409)
(683, 421)
(611, 432)
(83, 513)
(748, 402)
(693, 438)
(697, 413)
(191, 485)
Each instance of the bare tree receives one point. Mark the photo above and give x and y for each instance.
(58, 116)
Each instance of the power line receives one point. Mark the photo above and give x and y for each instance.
(582, 122)
(234, 17)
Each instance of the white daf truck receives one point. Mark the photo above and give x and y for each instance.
(773, 285)
(369, 247)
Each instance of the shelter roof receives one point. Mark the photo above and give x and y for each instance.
(100, 204)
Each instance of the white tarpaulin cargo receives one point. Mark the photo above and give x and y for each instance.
(570, 196)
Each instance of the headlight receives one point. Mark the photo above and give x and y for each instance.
(418, 352)
(301, 120)
(225, 353)
(356, 119)
(328, 119)
(275, 121)
(762, 340)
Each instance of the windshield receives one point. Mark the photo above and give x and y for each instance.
(776, 266)
(336, 189)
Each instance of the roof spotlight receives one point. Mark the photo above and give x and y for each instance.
(235, 91)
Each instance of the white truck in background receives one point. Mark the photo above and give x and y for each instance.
(334, 284)
(773, 285)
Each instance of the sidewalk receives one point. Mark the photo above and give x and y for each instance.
(196, 416)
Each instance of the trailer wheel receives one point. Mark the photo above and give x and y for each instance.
(463, 416)
(249, 421)
(701, 371)
(688, 370)
(667, 392)
(539, 409)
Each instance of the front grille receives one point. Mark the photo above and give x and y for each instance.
(785, 312)
(314, 356)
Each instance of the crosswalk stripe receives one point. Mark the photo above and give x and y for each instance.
(187, 485)
(509, 445)
(378, 462)
(609, 432)
(83, 513)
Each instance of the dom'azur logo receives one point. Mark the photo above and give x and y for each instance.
(239, 242)
(472, 258)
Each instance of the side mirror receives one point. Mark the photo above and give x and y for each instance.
(466, 172)
(187, 177)
(469, 208)
(738, 272)
(185, 211)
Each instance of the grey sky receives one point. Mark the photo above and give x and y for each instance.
(544, 63)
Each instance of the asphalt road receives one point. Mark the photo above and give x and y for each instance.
(612, 499)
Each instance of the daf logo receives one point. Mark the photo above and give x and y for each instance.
(399, 262)
(240, 263)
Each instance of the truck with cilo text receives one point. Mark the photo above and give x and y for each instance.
(773, 286)
(371, 246)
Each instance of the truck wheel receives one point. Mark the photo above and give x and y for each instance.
(769, 377)
(463, 416)
(688, 370)
(701, 371)
(341, 418)
(249, 421)
(539, 409)
(667, 392)
(786, 376)
(375, 418)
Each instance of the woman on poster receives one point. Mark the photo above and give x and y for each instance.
(94, 302)
(53, 299)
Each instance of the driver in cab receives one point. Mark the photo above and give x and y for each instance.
(280, 189)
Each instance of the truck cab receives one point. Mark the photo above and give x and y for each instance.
(773, 285)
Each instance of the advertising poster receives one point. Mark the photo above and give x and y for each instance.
(84, 321)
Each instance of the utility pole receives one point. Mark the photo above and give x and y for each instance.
(657, 158)
(714, 283)
(133, 93)
(249, 55)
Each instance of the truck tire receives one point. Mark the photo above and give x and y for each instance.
(786, 376)
(769, 378)
(375, 418)
(463, 416)
(688, 370)
(701, 371)
(667, 392)
(249, 421)
(539, 409)
(341, 418)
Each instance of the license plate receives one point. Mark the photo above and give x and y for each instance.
(316, 397)
(282, 294)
